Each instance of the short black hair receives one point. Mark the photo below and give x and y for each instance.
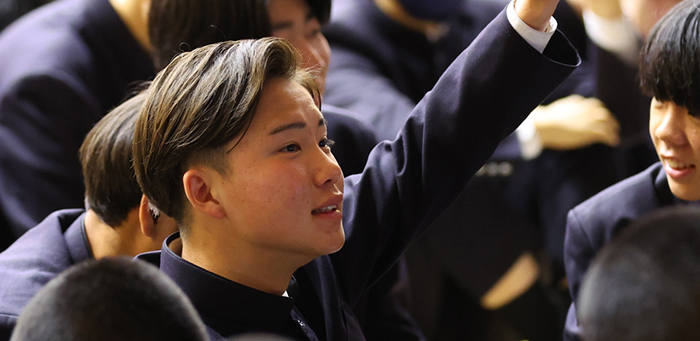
(669, 67)
(110, 299)
(321, 10)
(184, 25)
(645, 285)
(111, 189)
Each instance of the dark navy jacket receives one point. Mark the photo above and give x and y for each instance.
(64, 66)
(592, 224)
(354, 138)
(37, 257)
(380, 69)
(405, 186)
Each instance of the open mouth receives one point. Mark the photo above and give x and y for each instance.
(675, 164)
(331, 208)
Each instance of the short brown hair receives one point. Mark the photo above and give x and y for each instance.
(111, 189)
(197, 104)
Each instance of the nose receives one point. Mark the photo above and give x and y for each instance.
(671, 129)
(327, 172)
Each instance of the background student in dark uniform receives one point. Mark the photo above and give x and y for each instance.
(669, 72)
(64, 66)
(117, 221)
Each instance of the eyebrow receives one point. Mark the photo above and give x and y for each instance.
(295, 125)
(309, 16)
(288, 24)
(281, 26)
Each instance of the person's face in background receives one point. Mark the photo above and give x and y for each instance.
(294, 21)
(645, 13)
(676, 137)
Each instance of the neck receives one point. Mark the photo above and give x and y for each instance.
(393, 9)
(108, 241)
(224, 253)
(134, 14)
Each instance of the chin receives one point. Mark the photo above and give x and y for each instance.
(336, 245)
(685, 192)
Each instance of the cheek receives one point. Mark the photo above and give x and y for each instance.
(694, 139)
(654, 121)
(325, 50)
(277, 190)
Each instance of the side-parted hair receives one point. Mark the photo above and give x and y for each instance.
(198, 104)
(645, 284)
(183, 25)
(110, 299)
(111, 189)
(670, 59)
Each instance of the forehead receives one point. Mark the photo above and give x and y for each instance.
(283, 101)
(288, 10)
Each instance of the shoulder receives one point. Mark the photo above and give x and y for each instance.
(34, 259)
(44, 39)
(607, 212)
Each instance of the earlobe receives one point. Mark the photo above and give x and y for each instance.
(198, 185)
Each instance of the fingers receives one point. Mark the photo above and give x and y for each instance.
(536, 13)
(575, 122)
(602, 124)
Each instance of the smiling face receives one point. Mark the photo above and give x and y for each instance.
(676, 137)
(294, 21)
(284, 189)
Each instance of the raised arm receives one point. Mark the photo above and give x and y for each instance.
(482, 97)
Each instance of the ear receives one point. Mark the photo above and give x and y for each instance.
(148, 225)
(199, 189)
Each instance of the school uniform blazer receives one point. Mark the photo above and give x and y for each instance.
(405, 186)
(380, 70)
(64, 66)
(382, 311)
(592, 224)
(37, 257)
(353, 136)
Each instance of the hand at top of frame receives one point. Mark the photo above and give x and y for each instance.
(536, 13)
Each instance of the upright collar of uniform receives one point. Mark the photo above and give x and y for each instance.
(77, 242)
(225, 306)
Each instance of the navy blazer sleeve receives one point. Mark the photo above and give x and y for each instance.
(578, 255)
(482, 97)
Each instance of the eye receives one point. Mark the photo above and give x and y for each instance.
(658, 104)
(292, 148)
(326, 143)
(313, 28)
